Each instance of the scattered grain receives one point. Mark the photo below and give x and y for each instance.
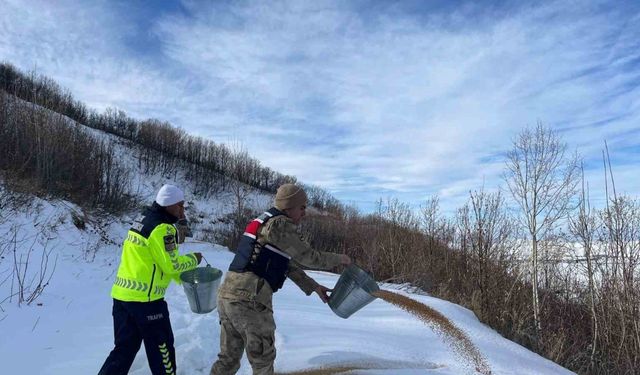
(457, 339)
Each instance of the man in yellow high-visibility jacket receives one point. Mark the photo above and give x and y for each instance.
(149, 262)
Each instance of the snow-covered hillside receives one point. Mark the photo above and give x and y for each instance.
(68, 330)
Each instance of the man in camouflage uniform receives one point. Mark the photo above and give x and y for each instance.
(244, 298)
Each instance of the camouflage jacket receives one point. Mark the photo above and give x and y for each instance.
(284, 234)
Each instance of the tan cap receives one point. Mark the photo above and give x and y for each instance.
(289, 196)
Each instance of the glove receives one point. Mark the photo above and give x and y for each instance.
(345, 259)
(322, 292)
(183, 230)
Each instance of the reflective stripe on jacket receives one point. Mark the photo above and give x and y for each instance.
(150, 258)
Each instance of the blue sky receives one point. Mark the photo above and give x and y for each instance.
(368, 99)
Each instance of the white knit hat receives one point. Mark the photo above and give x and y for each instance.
(168, 195)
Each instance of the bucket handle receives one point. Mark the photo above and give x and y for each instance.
(355, 260)
(361, 267)
(205, 260)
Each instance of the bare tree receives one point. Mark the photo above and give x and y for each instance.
(489, 234)
(239, 169)
(583, 228)
(542, 179)
(621, 233)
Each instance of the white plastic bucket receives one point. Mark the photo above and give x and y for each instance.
(201, 287)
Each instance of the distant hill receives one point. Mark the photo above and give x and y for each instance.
(46, 138)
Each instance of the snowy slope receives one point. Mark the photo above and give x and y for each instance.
(71, 332)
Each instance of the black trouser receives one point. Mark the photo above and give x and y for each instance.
(134, 322)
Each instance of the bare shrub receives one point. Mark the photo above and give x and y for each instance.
(48, 156)
(488, 236)
(28, 282)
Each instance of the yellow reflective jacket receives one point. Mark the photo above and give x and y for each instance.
(150, 258)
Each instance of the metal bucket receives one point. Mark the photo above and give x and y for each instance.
(352, 291)
(201, 287)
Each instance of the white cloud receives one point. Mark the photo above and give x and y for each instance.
(366, 103)
(80, 46)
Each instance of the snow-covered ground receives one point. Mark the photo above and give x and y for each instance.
(68, 330)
